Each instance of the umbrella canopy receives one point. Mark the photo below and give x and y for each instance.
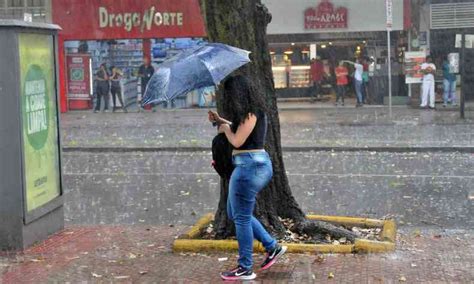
(196, 68)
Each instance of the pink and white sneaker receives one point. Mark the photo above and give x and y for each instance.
(238, 273)
(273, 256)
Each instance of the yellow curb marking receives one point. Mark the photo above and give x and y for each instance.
(189, 241)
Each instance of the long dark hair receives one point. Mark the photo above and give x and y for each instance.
(240, 99)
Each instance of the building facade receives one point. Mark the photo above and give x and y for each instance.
(36, 10)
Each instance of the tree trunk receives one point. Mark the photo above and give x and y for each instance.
(243, 23)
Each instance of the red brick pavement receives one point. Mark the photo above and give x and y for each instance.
(137, 254)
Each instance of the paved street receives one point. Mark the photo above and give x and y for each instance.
(427, 189)
(309, 126)
(141, 254)
(133, 182)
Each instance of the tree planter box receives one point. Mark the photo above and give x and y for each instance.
(191, 242)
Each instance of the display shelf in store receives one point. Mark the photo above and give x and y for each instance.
(280, 77)
(299, 76)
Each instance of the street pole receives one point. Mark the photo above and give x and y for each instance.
(461, 61)
(389, 10)
(409, 49)
(389, 74)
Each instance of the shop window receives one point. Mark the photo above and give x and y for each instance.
(15, 3)
(35, 3)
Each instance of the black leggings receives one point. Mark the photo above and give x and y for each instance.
(117, 92)
(102, 91)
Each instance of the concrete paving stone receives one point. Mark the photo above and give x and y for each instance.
(418, 189)
(141, 254)
(313, 127)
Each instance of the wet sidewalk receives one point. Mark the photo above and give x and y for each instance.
(303, 126)
(142, 254)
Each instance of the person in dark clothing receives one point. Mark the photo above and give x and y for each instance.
(115, 88)
(102, 88)
(145, 72)
(316, 74)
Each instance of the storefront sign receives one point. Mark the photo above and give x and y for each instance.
(389, 10)
(40, 129)
(128, 19)
(325, 16)
(412, 68)
(78, 68)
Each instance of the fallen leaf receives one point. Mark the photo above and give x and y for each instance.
(330, 275)
(96, 275)
(402, 279)
(319, 259)
(132, 256)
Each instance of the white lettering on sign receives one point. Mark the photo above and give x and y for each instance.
(77, 60)
(389, 8)
(133, 20)
(35, 92)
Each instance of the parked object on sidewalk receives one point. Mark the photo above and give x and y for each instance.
(195, 68)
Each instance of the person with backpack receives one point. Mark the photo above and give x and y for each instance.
(246, 131)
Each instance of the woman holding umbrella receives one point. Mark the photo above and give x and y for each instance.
(246, 131)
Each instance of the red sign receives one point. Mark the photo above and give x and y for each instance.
(325, 16)
(128, 19)
(78, 71)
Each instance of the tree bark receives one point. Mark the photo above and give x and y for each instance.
(243, 23)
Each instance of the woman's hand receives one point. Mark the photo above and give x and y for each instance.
(223, 128)
(212, 116)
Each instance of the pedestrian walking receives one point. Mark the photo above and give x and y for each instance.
(102, 88)
(316, 73)
(246, 131)
(145, 71)
(341, 82)
(428, 86)
(358, 80)
(115, 88)
(449, 83)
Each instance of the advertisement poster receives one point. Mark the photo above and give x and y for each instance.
(78, 68)
(469, 41)
(412, 68)
(40, 129)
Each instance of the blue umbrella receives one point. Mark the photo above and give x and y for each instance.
(195, 68)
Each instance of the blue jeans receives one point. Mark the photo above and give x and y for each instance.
(358, 89)
(253, 171)
(449, 91)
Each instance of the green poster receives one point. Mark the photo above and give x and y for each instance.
(40, 129)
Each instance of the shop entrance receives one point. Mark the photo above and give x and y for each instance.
(84, 58)
(119, 33)
(291, 64)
